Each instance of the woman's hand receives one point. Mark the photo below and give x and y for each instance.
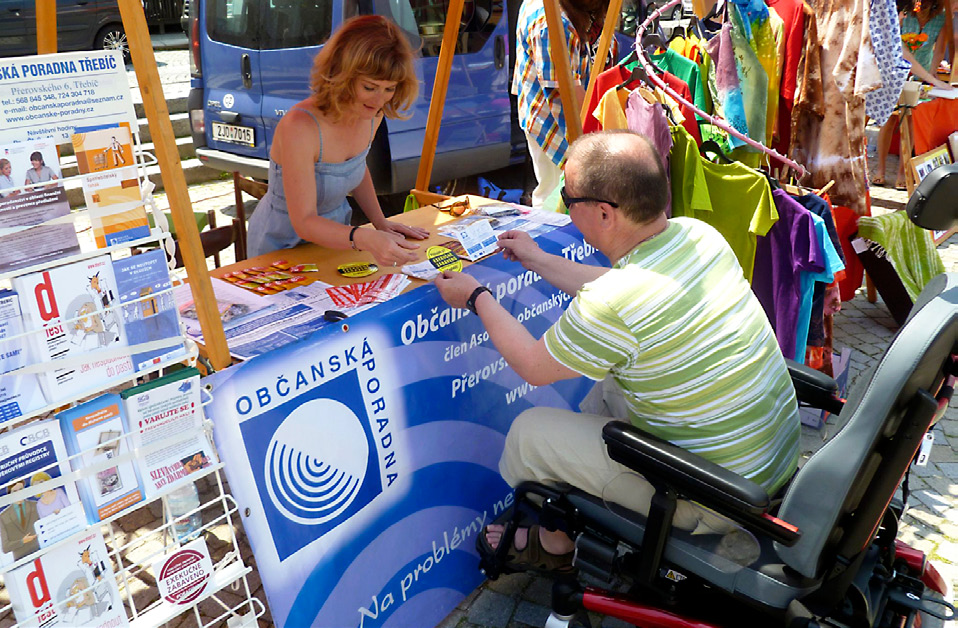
(389, 249)
(406, 231)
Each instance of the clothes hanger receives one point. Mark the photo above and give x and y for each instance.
(638, 74)
(711, 146)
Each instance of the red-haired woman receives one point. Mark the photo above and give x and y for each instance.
(363, 73)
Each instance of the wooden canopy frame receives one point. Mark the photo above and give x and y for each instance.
(174, 181)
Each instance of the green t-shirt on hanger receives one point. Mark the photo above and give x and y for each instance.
(685, 69)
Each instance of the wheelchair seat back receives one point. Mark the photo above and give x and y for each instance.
(838, 498)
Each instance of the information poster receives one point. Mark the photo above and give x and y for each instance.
(48, 96)
(365, 457)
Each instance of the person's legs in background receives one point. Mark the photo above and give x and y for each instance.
(884, 144)
(885, 136)
(547, 173)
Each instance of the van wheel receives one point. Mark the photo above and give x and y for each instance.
(112, 37)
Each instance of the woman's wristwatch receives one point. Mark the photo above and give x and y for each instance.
(471, 301)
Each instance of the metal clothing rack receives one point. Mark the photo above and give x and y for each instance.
(800, 170)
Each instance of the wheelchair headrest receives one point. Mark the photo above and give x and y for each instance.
(825, 499)
(933, 205)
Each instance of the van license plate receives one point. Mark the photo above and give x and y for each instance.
(233, 134)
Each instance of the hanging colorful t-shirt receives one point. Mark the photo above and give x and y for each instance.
(751, 76)
(828, 124)
(816, 325)
(742, 208)
(690, 193)
(685, 69)
(724, 83)
(833, 264)
(789, 249)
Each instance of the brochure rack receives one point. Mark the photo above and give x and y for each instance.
(138, 536)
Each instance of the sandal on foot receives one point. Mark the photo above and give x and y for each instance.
(530, 558)
(878, 180)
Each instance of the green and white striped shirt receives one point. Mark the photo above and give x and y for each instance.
(678, 327)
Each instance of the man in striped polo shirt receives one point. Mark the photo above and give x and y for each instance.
(672, 333)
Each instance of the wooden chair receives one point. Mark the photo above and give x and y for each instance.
(254, 188)
(215, 239)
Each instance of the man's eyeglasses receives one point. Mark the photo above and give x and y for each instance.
(456, 208)
(570, 201)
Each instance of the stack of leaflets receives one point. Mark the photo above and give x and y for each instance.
(19, 392)
(34, 455)
(162, 408)
(267, 280)
(110, 185)
(72, 312)
(148, 309)
(377, 291)
(71, 585)
(95, 430)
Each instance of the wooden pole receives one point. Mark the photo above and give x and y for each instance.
(605, 42)
(443, 67)
(46, 26)
(188, 238)
(559, 53)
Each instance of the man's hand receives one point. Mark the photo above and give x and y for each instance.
(518, 246)
(455, 287)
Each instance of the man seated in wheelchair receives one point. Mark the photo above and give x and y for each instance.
(673, 335)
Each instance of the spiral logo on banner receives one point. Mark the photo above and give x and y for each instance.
(312, 478)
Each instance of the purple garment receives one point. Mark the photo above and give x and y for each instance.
(816, 326)
(789, 248)
(649, 120)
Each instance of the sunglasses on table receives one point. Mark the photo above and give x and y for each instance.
(456, 208)
(569, 201)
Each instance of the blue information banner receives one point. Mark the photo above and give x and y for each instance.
(366, 455)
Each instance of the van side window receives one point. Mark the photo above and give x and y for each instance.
(297, 23)
(479, 19)
(232, 21)
(270, 24)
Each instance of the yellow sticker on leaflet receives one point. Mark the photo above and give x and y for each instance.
(362, 269)
(443, 259)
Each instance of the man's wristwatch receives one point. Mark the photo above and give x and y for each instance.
(471, 301)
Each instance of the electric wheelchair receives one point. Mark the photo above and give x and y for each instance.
(826, 546)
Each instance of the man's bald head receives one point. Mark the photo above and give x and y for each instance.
(622, 167)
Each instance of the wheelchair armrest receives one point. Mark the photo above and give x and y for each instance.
(695, 478)
(814, 388)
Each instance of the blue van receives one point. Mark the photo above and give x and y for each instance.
(251, 59)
